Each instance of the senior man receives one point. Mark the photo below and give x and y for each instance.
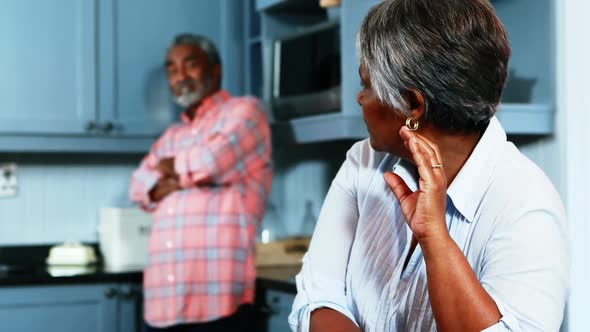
(206, 181)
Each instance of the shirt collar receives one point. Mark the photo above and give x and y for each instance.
(208, 103)
(407, 171)
(472, 181)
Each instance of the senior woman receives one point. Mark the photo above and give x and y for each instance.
(436, 222)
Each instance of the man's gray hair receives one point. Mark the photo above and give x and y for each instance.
(455, 52)
(202, 42)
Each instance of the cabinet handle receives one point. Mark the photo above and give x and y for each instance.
(91, 126)
(110, 293)
(108, 127)
(268, 310)
(129, 293)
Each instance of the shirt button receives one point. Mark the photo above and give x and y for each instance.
(170, 278)
(170, 211)
(168, 244)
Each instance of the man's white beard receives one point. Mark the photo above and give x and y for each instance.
(188, 98)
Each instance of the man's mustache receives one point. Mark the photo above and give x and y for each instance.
(186, 86)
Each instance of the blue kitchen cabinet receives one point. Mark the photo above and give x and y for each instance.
(281, 20)
(47, 62)
(528, 103)
(129, 307)
(88, 76)
(135, 37)
(265, 4)
(252, 49)
(89, 308)
(59, 308)
(282, 4)
(353, 13)
(279, 306)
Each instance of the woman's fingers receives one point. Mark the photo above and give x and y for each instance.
(426, 157)
(421, 159)
(427, 150)
(397, 185)
(403, 193)
(433, 146)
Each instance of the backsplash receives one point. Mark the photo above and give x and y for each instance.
(302, 177)
(303, 173)
(59, 197)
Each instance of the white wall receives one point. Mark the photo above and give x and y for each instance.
(574, 101)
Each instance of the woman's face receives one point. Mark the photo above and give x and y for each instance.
(383, 122)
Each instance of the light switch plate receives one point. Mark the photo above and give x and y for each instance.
(8, 180)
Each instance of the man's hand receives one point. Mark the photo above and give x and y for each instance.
(166, 167)
(163, 188)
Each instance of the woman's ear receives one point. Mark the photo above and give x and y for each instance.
(416, 103)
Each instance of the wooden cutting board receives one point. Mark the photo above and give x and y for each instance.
(329, 3)
(288, 252)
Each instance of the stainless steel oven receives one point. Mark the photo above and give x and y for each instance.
(306, 72)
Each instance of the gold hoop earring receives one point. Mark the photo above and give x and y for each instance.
(413, 127)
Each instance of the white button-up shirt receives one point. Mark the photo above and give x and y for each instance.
(502, 212)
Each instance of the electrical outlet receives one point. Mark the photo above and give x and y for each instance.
(8, 181)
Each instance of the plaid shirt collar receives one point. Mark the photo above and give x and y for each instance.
(208, 103)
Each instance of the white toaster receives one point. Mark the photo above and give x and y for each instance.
(124, 235)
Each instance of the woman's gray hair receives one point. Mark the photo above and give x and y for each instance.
(455, 52)
(202, 42)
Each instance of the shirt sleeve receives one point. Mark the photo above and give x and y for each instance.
(146, 176)
(525, 270)
(321, 282)
(241, 134)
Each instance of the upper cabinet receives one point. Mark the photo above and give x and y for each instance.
(266, 5)
(88, 76)
(529, 99)
(291, 36)
(135, 36)
(47, 62)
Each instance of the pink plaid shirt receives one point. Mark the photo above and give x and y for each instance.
(201, 263)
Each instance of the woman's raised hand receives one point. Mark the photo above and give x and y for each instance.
(425, 208)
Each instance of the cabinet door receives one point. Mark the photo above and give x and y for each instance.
(265, 4)
(130, 308)
(280, 305)
(135, 37)
(89, 308)
(353, 13)
(48, 66)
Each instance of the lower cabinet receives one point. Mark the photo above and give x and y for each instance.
(89, 308)
(129, 305)
(275, 310)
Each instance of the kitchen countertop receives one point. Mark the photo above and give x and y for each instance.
(25, 266)
(38, 276)
(281, 278)
(278, 278)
